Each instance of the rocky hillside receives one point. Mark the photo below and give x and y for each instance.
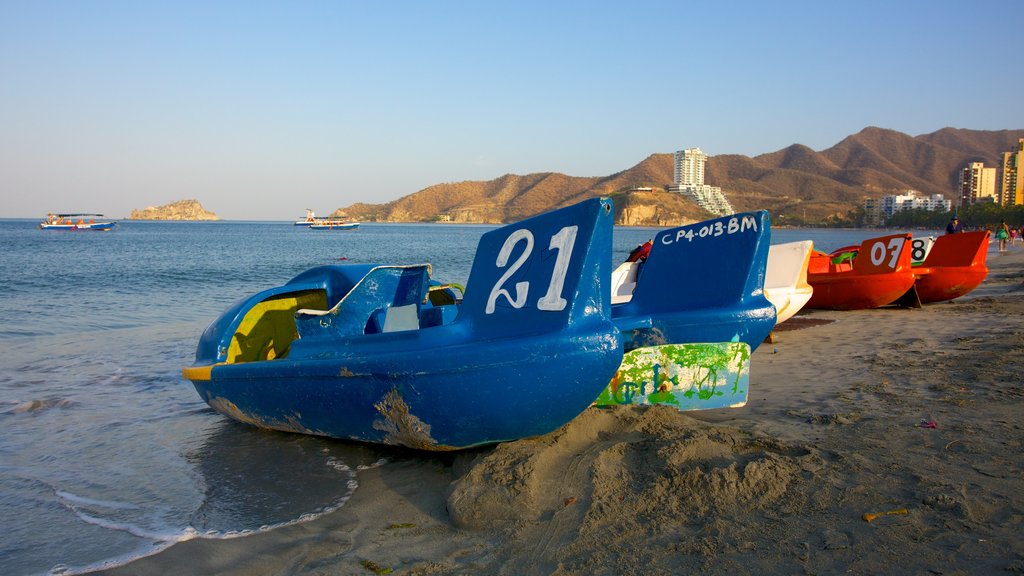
(179, 210)
(796, 183)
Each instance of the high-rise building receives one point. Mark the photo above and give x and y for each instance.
(689, 168)
(977, 184)
(688, 179)
(1011, 189)
(873, 211)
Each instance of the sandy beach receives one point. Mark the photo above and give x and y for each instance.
(916, 415)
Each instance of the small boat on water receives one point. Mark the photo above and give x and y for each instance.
(873, 274)
(331, 224)
(383, 354)
(75, 223)
(308, 220)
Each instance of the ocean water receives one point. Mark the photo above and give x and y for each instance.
(107, 454)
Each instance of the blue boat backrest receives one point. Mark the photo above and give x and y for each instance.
(336, 279)
(709, 264)
(541, 274)
(387, 299)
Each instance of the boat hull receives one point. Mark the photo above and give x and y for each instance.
(857, 292)
(96, 227)
(876, 273)
(955, 266)
(339, 226)
(425, 400)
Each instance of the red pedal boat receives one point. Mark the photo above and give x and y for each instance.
(876, 273)
(954, 266)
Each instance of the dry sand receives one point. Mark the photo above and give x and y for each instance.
(837, 426)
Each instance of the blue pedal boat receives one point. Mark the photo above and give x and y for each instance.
(701, 283)
(377, 354)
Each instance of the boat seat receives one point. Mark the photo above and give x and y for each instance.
(386, 299)
(438, 315)
(399, 318)
(624, 280)
(375, 323)
(393, 319)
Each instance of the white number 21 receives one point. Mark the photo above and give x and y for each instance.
(552, 300)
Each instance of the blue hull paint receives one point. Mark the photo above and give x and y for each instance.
(702, 282)
(535, 341)
(527, 350)
(338, 227)
(430, 399)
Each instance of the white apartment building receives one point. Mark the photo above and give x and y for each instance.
(878, 210)
(688, 179)
(689, 167)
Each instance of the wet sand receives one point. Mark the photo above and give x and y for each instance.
(917, 414)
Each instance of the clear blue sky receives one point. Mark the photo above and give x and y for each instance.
(262, 109)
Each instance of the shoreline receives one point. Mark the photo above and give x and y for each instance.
(874, 411)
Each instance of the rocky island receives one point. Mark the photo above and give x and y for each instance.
(179, 210)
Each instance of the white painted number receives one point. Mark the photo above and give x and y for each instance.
(503, 254)
(879, 251)
(563, 241)
(713, 229)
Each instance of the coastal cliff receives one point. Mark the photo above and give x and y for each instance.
(179, 210)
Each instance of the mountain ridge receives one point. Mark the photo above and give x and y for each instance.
(796, 183)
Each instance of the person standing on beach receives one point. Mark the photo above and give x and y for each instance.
(1002, 234)
(954, 226)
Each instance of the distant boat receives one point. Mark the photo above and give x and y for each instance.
(327, 224)
(308, 220)
(75, 222)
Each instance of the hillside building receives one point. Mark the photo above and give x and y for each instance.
(1011, 189)
(977, 184)
(873, 211)
(688, 179)
(879, 210)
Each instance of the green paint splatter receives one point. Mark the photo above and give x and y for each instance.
(689, 376)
